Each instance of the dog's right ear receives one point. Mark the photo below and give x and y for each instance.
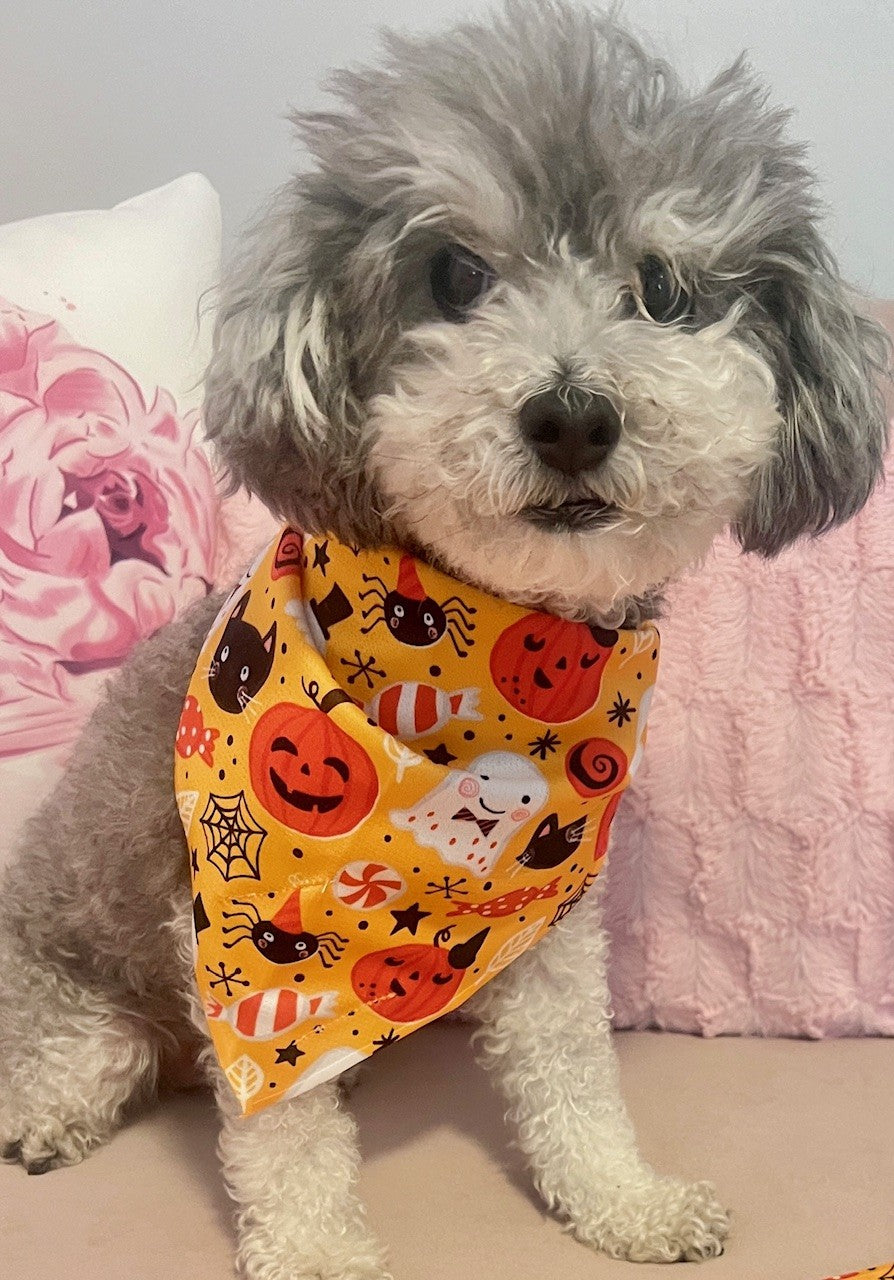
(280, 405)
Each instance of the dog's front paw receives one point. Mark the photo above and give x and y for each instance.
(663, 1220)
(43, 1144)
(263, 1256)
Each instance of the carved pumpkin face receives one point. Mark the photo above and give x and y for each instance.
(308, 773)
(549, 669)
(595, 766)
(406, 984)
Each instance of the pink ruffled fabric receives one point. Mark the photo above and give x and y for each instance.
(750, 886)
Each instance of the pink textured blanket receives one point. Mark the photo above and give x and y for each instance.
(750, 886)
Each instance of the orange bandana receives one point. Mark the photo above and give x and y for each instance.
(392, 784)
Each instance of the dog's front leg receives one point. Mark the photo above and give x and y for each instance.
(292, 1170)
(547, 1036)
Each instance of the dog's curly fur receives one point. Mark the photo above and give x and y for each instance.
(551, 145)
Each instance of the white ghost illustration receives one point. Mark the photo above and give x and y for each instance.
(468, 818)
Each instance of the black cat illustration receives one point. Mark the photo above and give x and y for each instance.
(551, 844)
(241, 662)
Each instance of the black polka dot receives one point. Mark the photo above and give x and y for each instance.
(272, 1084)
(654, 654)
(229, 739)
(282, 679)
(221, 773)
(386, 560)
(387, 839)
(351, 1013)
(508, 737)
(623, 650)
(328, 913)
(434, 671)
(639, 675)
(364, 924)
(521, 919)
(415, 871)
(271, 895)
(273, 602)
(489, 884)
(501, 717)
(469, 735)
(297, 853)
(235, 761)
(298, 977)
(284, 648)
(355, 1032)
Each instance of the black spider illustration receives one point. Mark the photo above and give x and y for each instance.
(413, 617)
(282, 939)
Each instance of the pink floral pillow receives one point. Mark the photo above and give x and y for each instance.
(109, 519)
(107, 523)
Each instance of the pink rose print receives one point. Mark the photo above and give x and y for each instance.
(107, 524)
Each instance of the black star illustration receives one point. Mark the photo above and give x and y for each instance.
(383, 1041)
(321, 558)
(290, 1053)
(546, 743)
(439, 754)
(621, 710)
(363, 668)
(409, 918)
(200, 915)
(194, 860)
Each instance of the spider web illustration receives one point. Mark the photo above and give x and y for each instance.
(233, 837)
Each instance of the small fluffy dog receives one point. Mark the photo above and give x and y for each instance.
(551, 321)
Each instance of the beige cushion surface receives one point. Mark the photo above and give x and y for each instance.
(797, 1135)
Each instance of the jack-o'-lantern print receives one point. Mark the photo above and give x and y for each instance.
(412, 616)
(595, 766)
(307, 772)
(549, 669)
(408, 983)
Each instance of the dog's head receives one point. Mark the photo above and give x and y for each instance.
(548, 318)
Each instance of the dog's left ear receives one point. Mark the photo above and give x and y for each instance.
(830, 364)
(282, 404)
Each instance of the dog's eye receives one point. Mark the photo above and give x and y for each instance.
(662, 296)
(458, 279)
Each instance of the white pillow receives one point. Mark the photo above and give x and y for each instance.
(108, 515)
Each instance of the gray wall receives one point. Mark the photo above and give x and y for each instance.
(100, 99)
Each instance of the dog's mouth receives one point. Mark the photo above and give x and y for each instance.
(576, 513)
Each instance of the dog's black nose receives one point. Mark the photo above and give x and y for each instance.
(569, 429)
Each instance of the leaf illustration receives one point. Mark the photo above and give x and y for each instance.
(246, 1077)
(186, 803)
(516, 945)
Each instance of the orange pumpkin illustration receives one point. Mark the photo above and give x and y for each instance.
(406, 984)
(595, 766)
(307, 772)
(550, 669)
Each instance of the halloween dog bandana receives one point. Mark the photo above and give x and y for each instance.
(884, 1272)
(392, 785)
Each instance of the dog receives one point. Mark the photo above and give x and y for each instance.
(547, 320)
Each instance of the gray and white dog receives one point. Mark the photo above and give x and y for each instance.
(553, 322)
